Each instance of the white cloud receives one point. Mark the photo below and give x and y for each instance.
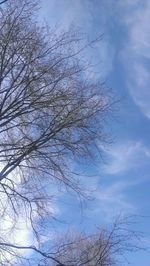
(127, 162)
(17, 234)
(15, 223)
(112, 200)
(126, 156)
(136, 52)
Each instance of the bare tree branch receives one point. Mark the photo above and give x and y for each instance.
(51, 117)
(103, 248)
(51, 114)
(43, 254)
(2, 2)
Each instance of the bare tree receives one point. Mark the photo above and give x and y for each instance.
(50, 115)
(103, 248)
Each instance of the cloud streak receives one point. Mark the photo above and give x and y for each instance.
(113, 199)
(126, 156)
(126, 169)
(136, 53)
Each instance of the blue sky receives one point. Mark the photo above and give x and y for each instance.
(122, 59)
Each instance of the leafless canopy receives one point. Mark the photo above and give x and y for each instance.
(50, 113)
(103, 248)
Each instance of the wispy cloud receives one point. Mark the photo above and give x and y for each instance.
(136, 52)
(112, 200)
(127, 161)
(126, 156)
